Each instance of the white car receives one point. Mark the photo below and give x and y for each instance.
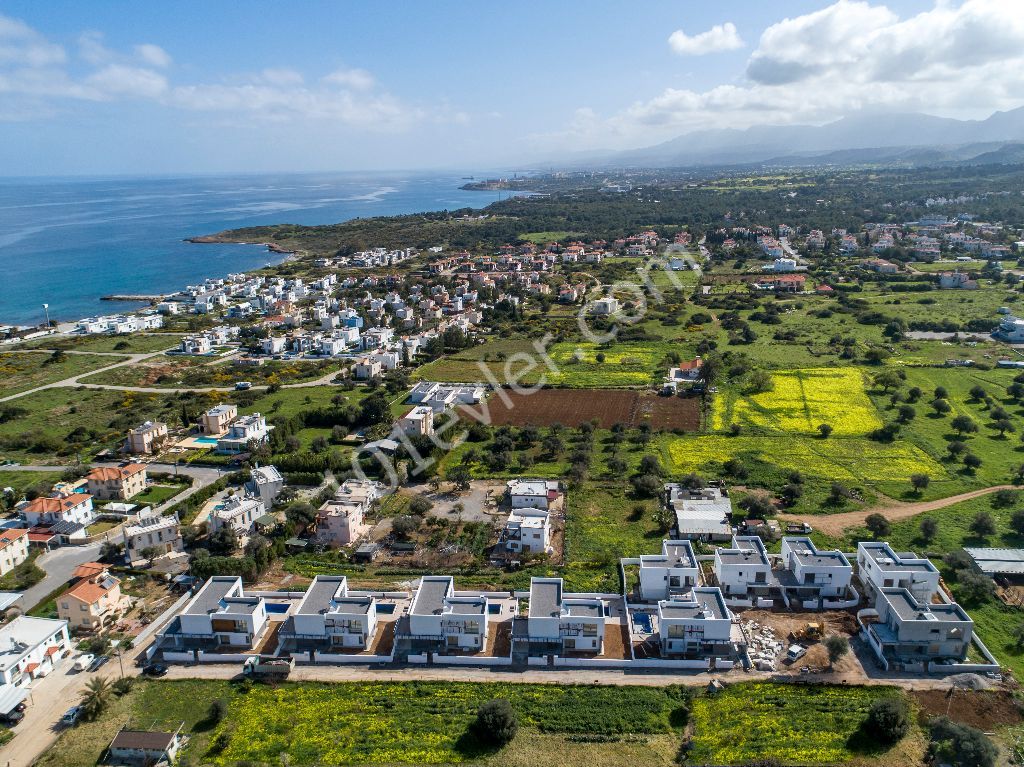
(83, 661)
(795, 652)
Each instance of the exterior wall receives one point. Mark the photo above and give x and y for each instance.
(529, 501)
(922, 584)
(13, 553)
(166, 539)
(657, 582)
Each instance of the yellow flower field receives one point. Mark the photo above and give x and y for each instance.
(839, 459)
(801, 401)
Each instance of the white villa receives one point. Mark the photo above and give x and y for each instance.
(559, 622)
(670, 574)
(445, 620)
(328, 617)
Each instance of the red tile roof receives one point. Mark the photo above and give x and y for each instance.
(57, 505)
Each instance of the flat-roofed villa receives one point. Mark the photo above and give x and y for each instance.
(744, 570)
(558, 622)
(673, 572)
(219, 615)
(330, 618)
(903, 630)
(443, 620)
(811, 574)
(698, 626)
(879, 567)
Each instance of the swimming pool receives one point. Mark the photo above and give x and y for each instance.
(643, 622)
(206, 440)
(386, 608)
(277, 607)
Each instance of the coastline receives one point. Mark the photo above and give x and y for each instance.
(220, 239)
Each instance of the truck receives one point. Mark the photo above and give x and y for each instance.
(267, 667)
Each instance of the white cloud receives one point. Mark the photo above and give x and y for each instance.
(117, 80)
(20, 45)
(960, 60)
(354, 79)
(721, 37)
(37, 79)
(153, 55)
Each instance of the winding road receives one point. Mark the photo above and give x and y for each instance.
(893, 510)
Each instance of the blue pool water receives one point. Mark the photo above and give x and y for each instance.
(643, 621)
(207, 440)
(277, 607)
(386, 609)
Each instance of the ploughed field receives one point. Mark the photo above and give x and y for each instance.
(572, 407)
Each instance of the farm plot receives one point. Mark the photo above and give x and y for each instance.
(571, 407)
(801, 401)
(838, 459)
(587, 365)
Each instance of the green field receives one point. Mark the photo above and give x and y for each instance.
(543, 238)
(20, 481)
(21, 371)
(781, 724)
(136, 343)
(372, 722)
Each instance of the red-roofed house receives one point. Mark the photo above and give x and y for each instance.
(117, 482)
(92, 602)
(13, 549)
(76, 507)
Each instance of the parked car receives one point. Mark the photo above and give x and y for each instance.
(96, 664)
(155, 669)
(71, 716)
(12, 717)
(83, 661)
(243, 385)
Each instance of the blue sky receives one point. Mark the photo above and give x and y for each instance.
(216, 86)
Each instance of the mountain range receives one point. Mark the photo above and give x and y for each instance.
(906, 138)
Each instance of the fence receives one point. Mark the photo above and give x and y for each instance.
(324, 658)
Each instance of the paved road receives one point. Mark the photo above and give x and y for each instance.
(130, 359)
(836, 524)
(58, 564)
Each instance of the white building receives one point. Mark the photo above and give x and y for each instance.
(879, 567)
(75, 508)
(532, 493)
(912, 631)
(562, 623)
(698, 626)
(527, 531)
(266, 484)
(814, 574)
(744, 569)
(153, 532)
(670, 574)
(219, 615)
(13, 548)
(328, 617)
(243, 431)
(30, 648)
(237, 513)
(441, 397)
(441, 618)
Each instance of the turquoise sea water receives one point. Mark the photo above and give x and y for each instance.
(67, 242)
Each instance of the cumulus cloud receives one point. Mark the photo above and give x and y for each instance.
(962, 60)
(22, 46)
(721, 37)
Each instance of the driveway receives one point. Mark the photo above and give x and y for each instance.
(59, 565)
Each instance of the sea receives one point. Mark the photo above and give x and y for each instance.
(68, 242)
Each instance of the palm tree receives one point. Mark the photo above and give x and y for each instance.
(95, 697)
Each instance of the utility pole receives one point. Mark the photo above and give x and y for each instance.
(46, 308)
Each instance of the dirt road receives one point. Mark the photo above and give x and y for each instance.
(837, 524)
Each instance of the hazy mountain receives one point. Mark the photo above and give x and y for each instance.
(858, 138)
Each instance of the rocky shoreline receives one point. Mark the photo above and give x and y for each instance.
(219, 239)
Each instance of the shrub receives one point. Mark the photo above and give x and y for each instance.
(218, 711)
(496, 722)
(878, 525)
(888, 720)
(960, 745)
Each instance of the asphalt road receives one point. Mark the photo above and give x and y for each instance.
(59, 565)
